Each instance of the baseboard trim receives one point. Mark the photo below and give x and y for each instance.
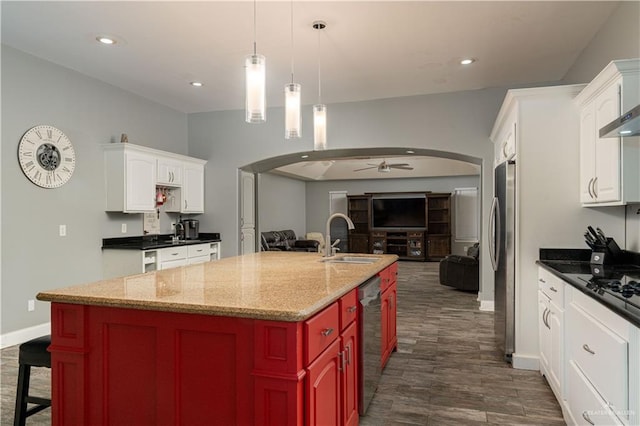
(487, 305)
(521, 362)
(21, 336)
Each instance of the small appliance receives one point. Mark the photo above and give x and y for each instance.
(191, 228)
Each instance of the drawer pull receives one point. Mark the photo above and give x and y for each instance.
(553, 289)
(174, 254)
(341, 361)
(585, 416)
(352, 309)
(588, 349)
(348, 350)
(327, 331)
(542, 281)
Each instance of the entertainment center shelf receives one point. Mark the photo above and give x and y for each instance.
(414, 226)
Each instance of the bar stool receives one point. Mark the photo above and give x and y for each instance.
(32, 354)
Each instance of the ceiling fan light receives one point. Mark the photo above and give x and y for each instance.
(255, 70)
(319, 127)
(384, 169)
(293, 117)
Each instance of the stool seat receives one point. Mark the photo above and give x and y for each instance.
(33, 353)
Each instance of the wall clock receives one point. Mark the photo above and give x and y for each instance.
(46, 156)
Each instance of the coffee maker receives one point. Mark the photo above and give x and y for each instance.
(191, 228)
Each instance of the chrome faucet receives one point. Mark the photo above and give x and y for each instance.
(176, 235)
(328, 247)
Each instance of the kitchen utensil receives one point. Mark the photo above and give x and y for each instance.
(589, 238)
(594, 233)
(602, 237)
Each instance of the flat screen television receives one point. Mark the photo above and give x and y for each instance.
(399, 212)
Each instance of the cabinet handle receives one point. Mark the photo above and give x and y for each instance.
(588, 349)
(542, 281)
(200, 250)
(327, 331)
(553, 289)
(585, 416)
(348, 350)
(185, 204)
(352, 309)
(340, 361)
(174, 254)
(595, 182)
(589, 188)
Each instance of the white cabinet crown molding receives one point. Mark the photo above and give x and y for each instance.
(609, 74)
(152, 151)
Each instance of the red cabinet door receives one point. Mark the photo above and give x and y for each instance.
(392, 335)
(350, 376)
(384, 322)
(323, 396)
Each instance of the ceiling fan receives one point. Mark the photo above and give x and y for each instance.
(383, 167)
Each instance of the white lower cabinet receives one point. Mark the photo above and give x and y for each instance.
(603, 372)
(119, 262)
(551, 330)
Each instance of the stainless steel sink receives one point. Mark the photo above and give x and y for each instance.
(350, 259)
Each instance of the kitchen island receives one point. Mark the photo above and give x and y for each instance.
(255, 339)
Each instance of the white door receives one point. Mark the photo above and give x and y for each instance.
(247, 217)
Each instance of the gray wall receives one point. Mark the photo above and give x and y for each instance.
(318, 194)
(281, 202)
(91, 113)
(619, 38)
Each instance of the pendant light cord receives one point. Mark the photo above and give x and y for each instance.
(292, 42)
(319, 80)
(254, 28)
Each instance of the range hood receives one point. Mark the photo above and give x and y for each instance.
(627, 125)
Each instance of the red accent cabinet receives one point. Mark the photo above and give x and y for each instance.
(389, 307)
(129, 366)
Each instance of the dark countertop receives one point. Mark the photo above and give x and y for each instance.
(155, 242)
(573, 266)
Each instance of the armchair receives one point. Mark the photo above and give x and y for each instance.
(461, 272)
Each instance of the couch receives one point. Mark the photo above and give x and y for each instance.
(461, 272)
(286, 241)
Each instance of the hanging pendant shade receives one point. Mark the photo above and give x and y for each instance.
(319, 127)
(293, 117)
(256, 111)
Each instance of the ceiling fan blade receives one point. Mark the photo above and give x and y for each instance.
(366, 168)
(397, 164)
(401, 167)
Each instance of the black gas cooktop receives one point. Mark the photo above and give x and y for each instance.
(619, 284)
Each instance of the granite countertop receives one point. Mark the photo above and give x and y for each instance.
(573, 266)
(154, 242)
(280, 286)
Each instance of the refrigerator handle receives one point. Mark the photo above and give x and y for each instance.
(494, 240)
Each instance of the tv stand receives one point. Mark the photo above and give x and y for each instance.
(407, 244)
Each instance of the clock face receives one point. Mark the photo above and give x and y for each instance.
(46, 156)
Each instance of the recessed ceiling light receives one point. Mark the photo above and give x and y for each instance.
(410, 152)
(467, 61)
(196, 84)
(304, 156)
(106, 40)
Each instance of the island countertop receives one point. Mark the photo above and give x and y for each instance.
(280, 286)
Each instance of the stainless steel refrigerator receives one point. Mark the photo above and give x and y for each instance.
(502, 252)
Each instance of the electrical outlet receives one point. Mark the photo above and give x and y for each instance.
(31, 305)
(63, 230)
(124, 228)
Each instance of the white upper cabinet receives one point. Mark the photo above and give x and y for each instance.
(169, 171)
(609, 167)
(130, 177)
(132, 173)
(193, 188)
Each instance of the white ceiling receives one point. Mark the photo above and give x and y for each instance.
(369, 50)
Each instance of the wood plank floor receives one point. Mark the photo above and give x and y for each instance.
(446, 371)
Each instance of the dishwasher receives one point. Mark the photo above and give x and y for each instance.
(370, 352)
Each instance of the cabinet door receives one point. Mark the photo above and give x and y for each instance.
(323, 399)
(140, 182)
(350, 376)
(193, 188)
(384, 325)
(556, 364)
(544, 333)
(587, 153)
(392, 335)
(607, 150)
(169, 171)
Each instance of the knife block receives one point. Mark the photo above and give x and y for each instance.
(609, 254)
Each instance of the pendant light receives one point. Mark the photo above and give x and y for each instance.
(319, 109)
(292, 92)
(255, 75)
